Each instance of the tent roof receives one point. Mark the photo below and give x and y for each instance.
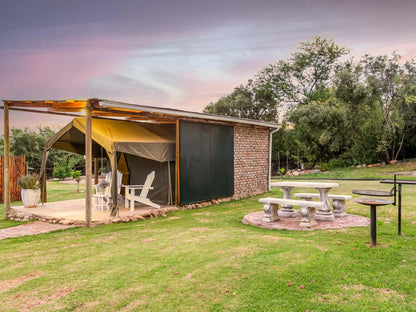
(150, 141)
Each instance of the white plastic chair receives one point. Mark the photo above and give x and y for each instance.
(101, 198)
(142, 198)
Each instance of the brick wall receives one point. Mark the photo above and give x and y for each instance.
(251, 161)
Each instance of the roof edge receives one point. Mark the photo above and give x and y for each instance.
(181, 113)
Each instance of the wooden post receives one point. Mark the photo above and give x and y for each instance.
(177, 173)
(113, 185)
(95, 170)
(88, 161)
(6, 161)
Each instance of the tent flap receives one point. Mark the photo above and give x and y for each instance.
(150, 141)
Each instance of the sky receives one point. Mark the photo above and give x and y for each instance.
(179, 54)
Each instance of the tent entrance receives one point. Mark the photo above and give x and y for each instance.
(136, 149)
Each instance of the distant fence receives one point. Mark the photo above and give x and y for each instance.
(17, 168)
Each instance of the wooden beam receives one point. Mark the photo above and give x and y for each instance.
(48, 103)
(88, 163)
(40, 112)
(6, 161)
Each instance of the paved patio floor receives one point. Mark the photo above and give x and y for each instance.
(74, 210)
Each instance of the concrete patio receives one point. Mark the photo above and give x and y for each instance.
(72, 212)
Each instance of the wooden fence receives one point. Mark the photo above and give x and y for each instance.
(17, 168)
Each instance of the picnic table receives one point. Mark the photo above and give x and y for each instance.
(323, 213)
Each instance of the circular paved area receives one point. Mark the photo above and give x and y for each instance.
(31, 228)
(254, 218)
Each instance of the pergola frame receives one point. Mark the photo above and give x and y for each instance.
(93, 108)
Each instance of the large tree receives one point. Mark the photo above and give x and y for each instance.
(377, 93)
(306, 76)
(303, 78)
(363, 111)
(252, 101)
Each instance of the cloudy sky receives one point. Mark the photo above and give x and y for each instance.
(175, 53)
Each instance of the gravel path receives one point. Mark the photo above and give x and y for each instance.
(31, 228)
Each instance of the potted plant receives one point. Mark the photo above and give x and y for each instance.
(30, 190)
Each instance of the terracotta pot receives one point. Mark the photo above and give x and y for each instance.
(30, 198)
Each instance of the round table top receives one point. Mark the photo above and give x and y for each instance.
(304, 184)
(373, 201)
(372, 193)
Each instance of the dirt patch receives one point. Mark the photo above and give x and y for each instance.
(384, 294)
(29, 305)
(6, 285)
(199, 229)
(204, 221)
(269, 238)
(133, 305)
(148, 240)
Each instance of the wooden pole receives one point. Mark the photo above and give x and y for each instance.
(177, 178)
(95, 170)
(88, 161)
(6, 161)
(114, 206)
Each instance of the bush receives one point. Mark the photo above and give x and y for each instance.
(29, 182)
(60, 170)
(64, 166)
(340, 163)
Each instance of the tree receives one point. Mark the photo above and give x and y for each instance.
(364, 110)
(300, 80)
(31, 144)
(306, 76)
(319, 131)
(76, 175)
(251, 101)
(374, 92)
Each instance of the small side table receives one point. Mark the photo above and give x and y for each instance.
(373, 203)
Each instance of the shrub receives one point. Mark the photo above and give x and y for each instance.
(340, 163)
(29, 182)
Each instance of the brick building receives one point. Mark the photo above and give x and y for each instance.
(209, 157)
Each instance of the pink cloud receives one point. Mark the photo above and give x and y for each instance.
(50, 73)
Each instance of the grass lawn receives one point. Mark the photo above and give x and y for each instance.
(385, 172)
(207, 260)
(56, 192)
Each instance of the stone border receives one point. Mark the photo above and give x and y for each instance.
(21, 216)
(350, 220)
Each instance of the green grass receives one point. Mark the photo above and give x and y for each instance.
(385, 172)
(56, 192)
(207, 260)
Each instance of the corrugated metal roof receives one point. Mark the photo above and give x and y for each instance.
(181, 113)
(110, 108)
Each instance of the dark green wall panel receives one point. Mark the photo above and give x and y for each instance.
(206, 162)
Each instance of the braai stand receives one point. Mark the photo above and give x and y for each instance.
(373, 203)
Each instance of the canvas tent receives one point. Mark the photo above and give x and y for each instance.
(139, 149)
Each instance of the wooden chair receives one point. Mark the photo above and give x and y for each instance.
(142, 198)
